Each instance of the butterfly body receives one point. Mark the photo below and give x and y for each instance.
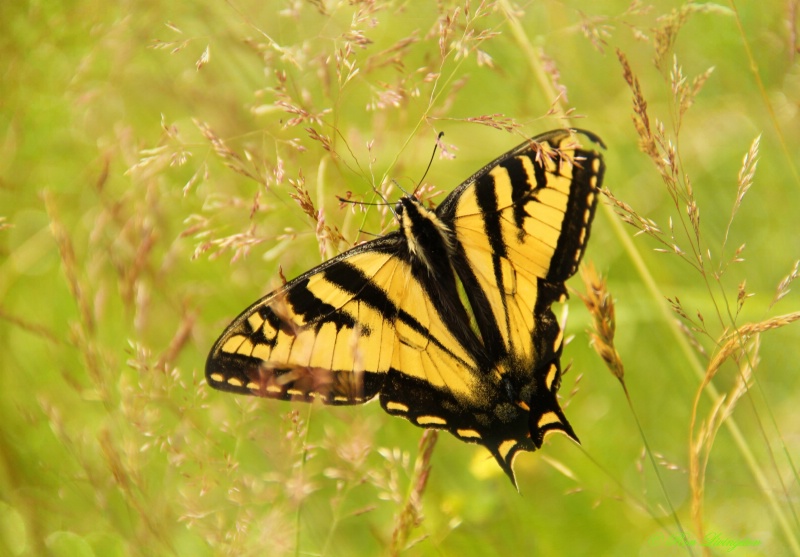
(447, 320)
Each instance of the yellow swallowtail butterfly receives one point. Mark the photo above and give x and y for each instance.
(447, 320)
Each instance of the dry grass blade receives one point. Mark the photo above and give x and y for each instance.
(669, 25)
(70, 265)
(179, 341)
(683, 91)
(230, 158)
(741, 346)
(745, 180)
(601, 307)
(36, 329)
(496, 121)
(642, 119)
(791, 25)
(410, 515)
(783, 287)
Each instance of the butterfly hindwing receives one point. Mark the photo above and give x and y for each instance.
(448, 319)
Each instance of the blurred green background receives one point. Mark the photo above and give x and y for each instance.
(149, 152)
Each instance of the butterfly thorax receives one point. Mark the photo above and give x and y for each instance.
(429, 239)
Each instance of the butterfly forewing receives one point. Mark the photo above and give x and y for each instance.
(337, 326)
(326, 335)
(448, 319)
(524, 218)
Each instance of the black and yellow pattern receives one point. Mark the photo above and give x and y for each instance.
(447, 319)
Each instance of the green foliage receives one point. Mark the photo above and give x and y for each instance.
(162, 165)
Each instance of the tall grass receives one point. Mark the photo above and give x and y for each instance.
(163, 166)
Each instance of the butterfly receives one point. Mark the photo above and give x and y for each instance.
(447, 320)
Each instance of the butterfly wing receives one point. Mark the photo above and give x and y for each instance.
(334, 333)
(522, 220)
(519, 229)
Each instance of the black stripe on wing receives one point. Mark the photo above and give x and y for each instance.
(587, 174)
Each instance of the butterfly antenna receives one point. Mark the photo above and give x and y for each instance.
(385, 202)
(430, 162)
(381, 203)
